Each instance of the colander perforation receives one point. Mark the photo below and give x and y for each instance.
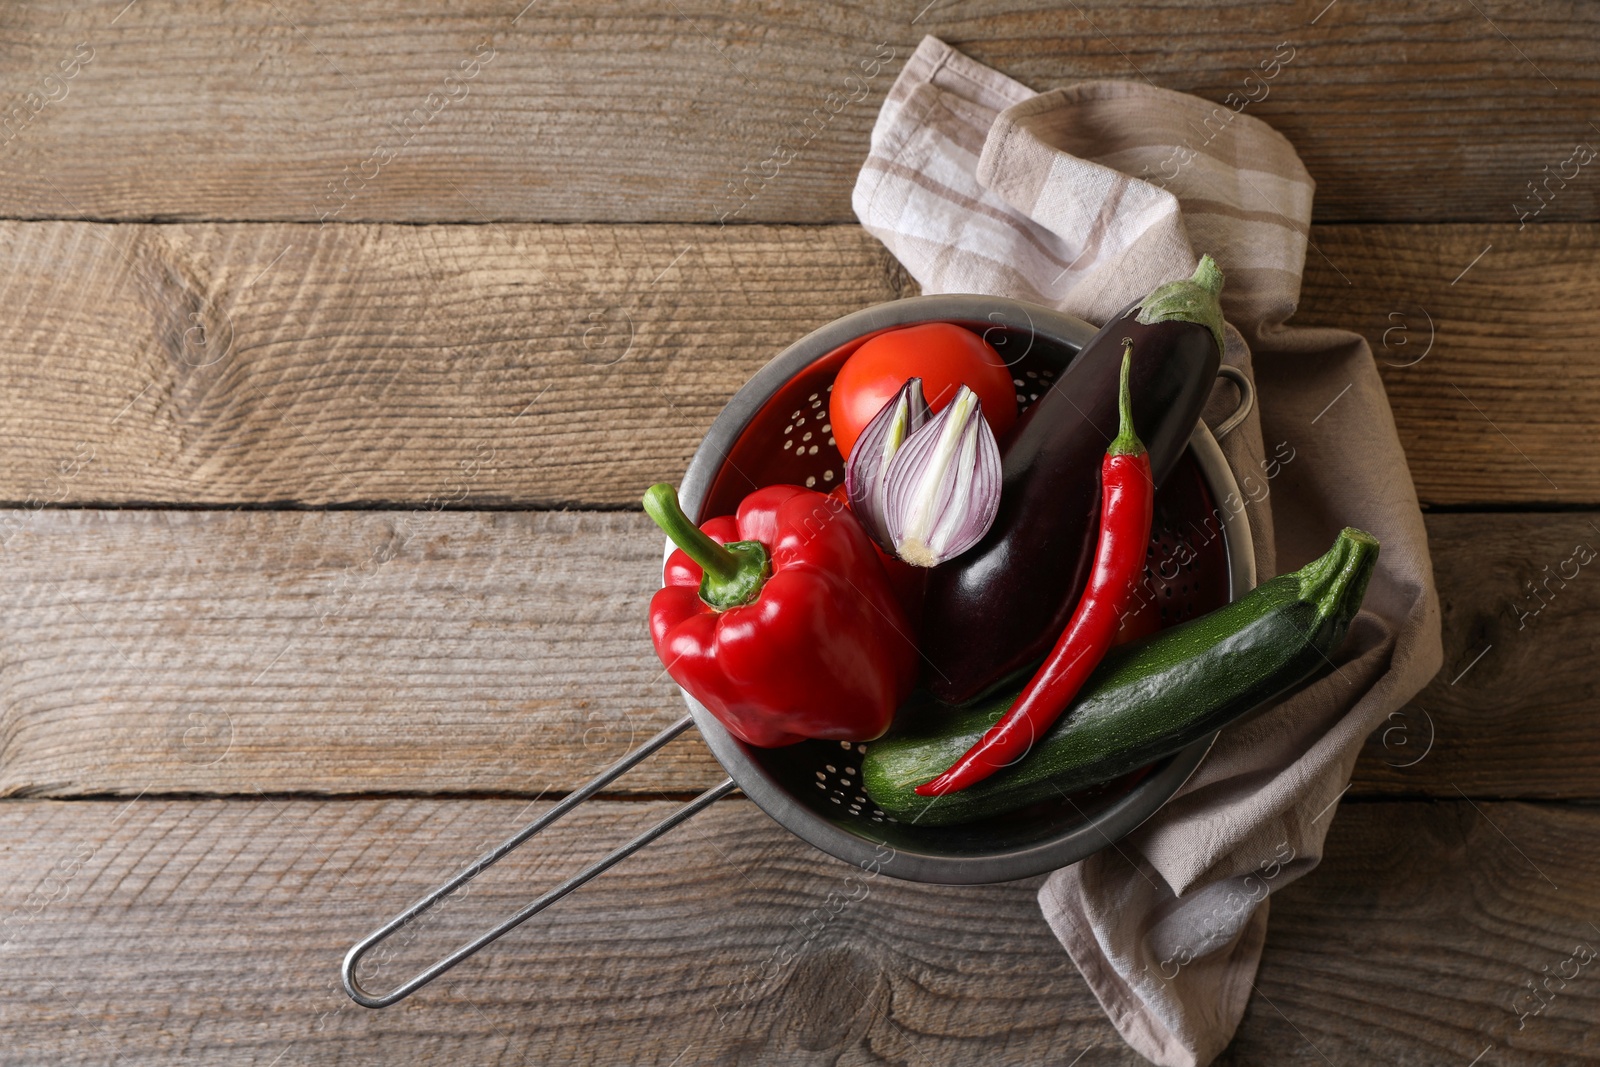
(789, 441)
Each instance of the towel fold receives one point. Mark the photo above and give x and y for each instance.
(1084, 199)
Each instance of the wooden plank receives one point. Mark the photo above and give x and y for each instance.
(430, 366)
(202, 931)
(223, 924)
(1476, 331)
(1417, 939)
(1513, 712)
(226, 652)
(230, 652)
(568, 111)
(277, 364)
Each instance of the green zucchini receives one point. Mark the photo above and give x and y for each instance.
(1145, 700)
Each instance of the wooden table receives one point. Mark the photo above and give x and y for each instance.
(337, 343)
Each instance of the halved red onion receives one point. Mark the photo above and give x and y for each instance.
(942, 490)
(866, 471)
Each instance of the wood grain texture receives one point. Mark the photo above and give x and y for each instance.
(464, 366)
(1477, 331)
(625, 111)
(348, 652)
(428, 366)
(337, 652)
(178, 932)
(1514, 711)
(1416, 941)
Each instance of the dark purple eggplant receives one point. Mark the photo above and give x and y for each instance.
(999, 607)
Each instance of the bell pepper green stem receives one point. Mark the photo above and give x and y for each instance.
(1127, 442)
(734, 573)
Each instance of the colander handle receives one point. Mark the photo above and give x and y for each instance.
(353, 958)
(1247, 400)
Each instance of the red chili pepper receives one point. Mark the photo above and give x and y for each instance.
(781, 621)
(1127, 504)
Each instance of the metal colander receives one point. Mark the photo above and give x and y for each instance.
(776, 431)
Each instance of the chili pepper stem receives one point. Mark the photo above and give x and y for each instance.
(734, 573)
(1127, 442)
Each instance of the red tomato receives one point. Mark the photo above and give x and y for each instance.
(945, 356)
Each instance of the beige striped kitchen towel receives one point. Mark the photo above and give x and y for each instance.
(1083, 199)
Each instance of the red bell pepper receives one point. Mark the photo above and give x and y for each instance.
(781, 621)
(909, 582)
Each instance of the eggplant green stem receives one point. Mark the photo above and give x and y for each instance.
(1194, 299)
(1127, 442)
(734, 572)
